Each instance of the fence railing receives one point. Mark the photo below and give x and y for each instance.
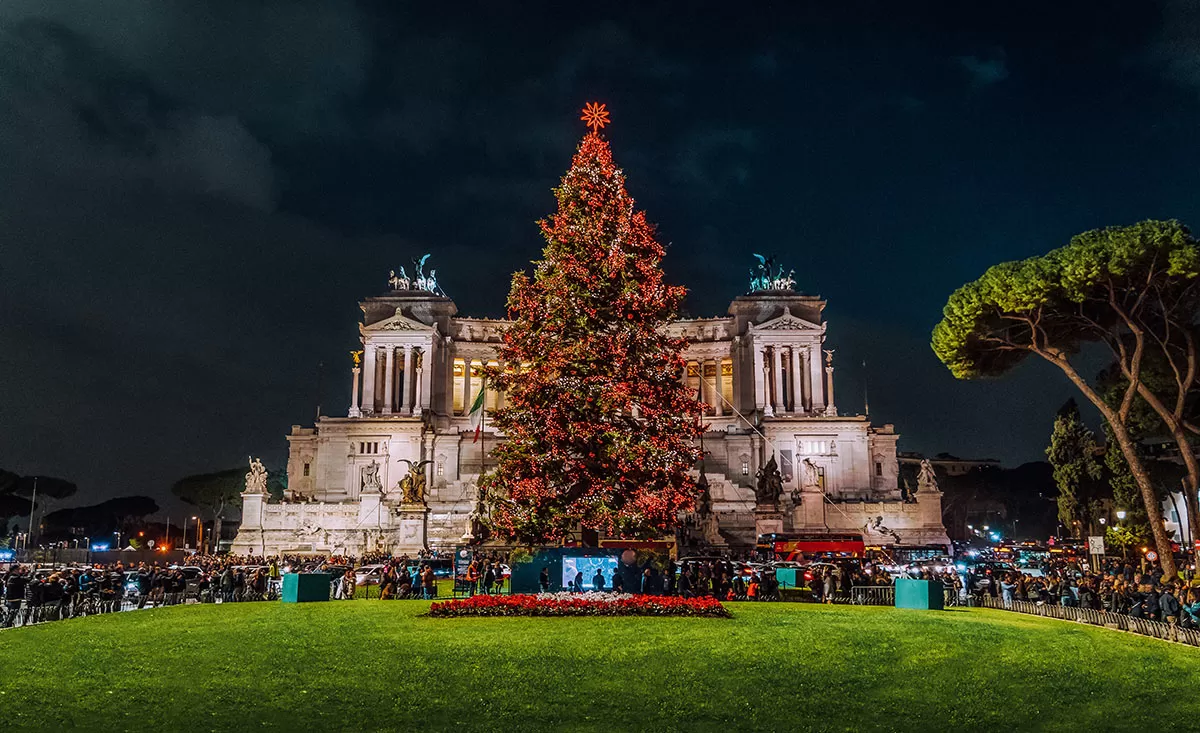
(885, 595)
(27, 615)
(1108, 619)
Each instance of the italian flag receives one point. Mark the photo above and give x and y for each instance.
(477, 412)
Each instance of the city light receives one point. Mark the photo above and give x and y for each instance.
(99, 547)
(1121, 514)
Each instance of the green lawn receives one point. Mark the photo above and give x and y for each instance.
(370, 665)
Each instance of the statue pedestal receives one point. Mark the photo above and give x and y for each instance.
(768, 519)
(712, 533)
(413, 521)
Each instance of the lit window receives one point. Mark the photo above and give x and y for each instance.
(441, 468)
(745, 468)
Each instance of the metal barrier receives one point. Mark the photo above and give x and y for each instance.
(26, 615)
(885, 595)
(1094, 617)
(873, 595)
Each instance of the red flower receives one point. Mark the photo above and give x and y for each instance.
(530, 605)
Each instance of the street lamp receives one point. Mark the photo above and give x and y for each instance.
(1103, 521)
(1121, 514)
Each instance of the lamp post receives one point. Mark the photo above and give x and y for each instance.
(1121, 515)
(32, 505)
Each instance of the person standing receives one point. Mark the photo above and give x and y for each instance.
(544, 580)
(598, 581)
(428, 583)
(489, 578)
(472, 577)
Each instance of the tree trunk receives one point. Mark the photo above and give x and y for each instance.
(1153, 510)
(1189, 484)
(1121, 434)
(1187, 453)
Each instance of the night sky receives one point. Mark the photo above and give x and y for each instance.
(194, 196)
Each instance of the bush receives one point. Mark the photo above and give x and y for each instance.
(568, 604)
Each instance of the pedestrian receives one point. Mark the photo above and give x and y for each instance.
(428, 583)
(544, 580)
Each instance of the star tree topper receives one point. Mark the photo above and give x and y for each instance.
(595, 115)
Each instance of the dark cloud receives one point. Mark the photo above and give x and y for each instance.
(1176, 48)
(193, 196)
(983, 72)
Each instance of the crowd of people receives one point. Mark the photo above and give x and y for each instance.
(52, 593)
(1117, 587)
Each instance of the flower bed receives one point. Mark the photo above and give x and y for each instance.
(574, 604)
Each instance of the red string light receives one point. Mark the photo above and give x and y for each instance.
(587, 330)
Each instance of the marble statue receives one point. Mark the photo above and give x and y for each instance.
(926, 478)
(370, 478)
(769, 486)
(876, 528)
(704, 500)
(256, 479)
(769, 277)
(811, 478)
(412, 486)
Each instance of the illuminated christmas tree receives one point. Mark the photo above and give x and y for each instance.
(599, 427)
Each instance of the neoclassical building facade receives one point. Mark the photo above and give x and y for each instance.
(762, 369)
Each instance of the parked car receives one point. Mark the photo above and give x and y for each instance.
(368, 574)
(442, 567)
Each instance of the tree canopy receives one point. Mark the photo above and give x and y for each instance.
(103, 517)
(1131, 289)
(1072, 453)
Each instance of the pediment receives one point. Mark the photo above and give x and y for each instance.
(398, 322)
(787, 322)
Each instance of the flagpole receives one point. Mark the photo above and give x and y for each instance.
(482, 424)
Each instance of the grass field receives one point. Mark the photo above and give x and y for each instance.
(370, 665)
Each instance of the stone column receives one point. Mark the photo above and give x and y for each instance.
(816, 379)
(776, 378)
(797, 390)
(389, 385)
(418, 395)
(760, 388)
(354, 411)
(466, 402)
(426, 372)
(830, 408)
(406, 380)
(719, 381)
(369, 373)
(805, 387)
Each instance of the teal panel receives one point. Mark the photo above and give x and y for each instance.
(306, 587)
(921, 594)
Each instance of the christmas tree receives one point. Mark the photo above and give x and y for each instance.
(600, 430)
